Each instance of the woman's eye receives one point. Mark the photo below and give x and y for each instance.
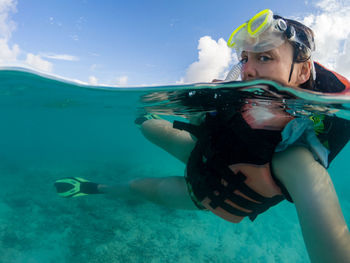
(264, 58)
(244, 60)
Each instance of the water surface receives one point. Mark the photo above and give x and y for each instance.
(52, 128)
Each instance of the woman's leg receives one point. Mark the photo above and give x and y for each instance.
(167, 191)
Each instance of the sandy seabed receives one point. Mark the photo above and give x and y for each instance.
(37, 226)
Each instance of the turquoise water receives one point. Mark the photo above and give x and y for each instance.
(52, 129)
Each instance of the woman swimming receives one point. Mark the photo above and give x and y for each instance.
(274, 48)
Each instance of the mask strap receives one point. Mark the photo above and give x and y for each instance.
(291, 70)
(295, 55)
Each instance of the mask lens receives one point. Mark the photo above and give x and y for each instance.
(231, 42)
(259, 23)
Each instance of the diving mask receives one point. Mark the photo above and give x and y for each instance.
(261, 33)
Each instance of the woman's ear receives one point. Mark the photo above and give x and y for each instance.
(304, 72)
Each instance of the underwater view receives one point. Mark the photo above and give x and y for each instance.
(52, 128)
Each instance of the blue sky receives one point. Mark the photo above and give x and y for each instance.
(143, 42)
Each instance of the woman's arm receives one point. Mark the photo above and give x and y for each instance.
(176, 142)
(325, 232)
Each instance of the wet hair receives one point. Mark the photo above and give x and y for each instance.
(302, 53)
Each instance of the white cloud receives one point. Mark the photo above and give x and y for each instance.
(74, 37)
(332, 34)
(214, 57)
(7, 26)
(8, 53)
(330, 5)
(60, 57)
(54, 22)
(37, 62)
(94, 54)
(123, 80)
(95, 67)
(80, 22)
(93, 80)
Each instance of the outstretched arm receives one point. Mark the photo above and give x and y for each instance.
(325, 232)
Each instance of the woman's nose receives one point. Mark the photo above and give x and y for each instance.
(249, 71)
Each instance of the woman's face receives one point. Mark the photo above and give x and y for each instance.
(274, 65)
